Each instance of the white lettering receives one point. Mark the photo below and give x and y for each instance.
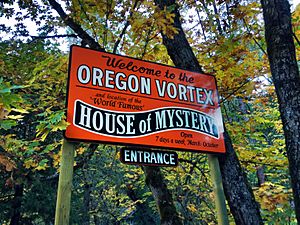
(119, 122)
(145, 85)
(108, 79)
(160, 119)
(133, 157)
(165, 160)
(110, 124)
(120, 84)
(172, 159)
(161, 90)
(171, 115)
(208, 99)
(94, 120)
(130, 119)
(171, 90)
(202, 122)
(199, 95)
(83, 69)
(97, 76)
(126, 155)
(147, 157)
(160, 158)
(85, 116)
(194, 120)
(182, 92)
(133, 83)
(153, 158)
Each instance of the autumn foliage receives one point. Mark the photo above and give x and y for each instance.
(227, 38)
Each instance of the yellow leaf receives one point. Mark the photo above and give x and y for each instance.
(29, 163)
(80, 150)
(56, 159)
(15, 117)
(20, 110)
(192, 208)
(41, 167)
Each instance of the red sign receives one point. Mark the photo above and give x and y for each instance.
(121, 100)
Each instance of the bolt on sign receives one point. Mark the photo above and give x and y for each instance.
(121, 100)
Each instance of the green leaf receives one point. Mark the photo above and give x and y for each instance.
(7, 124)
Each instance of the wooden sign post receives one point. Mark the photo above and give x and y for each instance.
(63, 202)
(216, 179)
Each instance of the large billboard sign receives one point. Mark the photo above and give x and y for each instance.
(126, 101)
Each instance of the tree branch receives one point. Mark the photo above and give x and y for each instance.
(55, 36)
(75, 27)
(147, 42)
(217, 19)
(178, 47)
(200, 21)
(235, 91)
(34, 38)
(256, 42)
(90, 152)
(125, 27)
(263, 163)
(88, 18)
(296, 38)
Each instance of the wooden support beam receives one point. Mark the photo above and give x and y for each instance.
(63, 202)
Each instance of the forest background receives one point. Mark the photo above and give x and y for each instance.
(227, 38)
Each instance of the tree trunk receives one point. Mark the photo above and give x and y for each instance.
(97, 220)
(86, 204)
(261, 177)
(162, 196)
(16, 205)
(142, 208)
(285, 73)
(239, 195)
(86, 196)
(243, 206)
